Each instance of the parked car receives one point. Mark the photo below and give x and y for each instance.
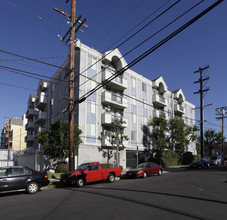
(19, 177)
(200, 163)
(145, 169)
(90, 172)
(216, 160)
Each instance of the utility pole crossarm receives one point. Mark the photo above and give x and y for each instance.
(68, 16)
(201, 91)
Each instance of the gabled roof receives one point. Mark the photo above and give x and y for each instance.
(114, 57)
(159, 82)
(179, 95)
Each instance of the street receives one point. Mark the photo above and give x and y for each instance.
(187, 194)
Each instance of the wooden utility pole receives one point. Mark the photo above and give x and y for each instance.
(71, 74)
(200, 70)
(222, 113)
(71, 89)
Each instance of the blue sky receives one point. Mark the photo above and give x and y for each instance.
(30, 28)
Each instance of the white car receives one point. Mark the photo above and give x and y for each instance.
(216, 160)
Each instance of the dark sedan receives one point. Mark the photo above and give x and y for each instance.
(200, 163)
(19, 177)
(145, 169)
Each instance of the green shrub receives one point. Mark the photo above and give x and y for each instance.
(62, 168)
(170, 162)
(170, 154)
(106, 165)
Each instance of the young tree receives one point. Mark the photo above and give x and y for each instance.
(180, 134)
(159, 133)
(116, 136)
(212, 139)
(56, 141)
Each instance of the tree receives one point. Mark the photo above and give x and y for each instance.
(212, 139)
(56, 141)
(159, 133)
(116, 136)
(180, 134)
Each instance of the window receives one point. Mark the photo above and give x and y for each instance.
(91, 107)
(144, 87)
(133, 82)
(91, 129)
(3, 172)
(133, 117)
(133, 135)
(91, 62)
(144, 104)
(94, 166)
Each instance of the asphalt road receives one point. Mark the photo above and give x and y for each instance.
(188, 194)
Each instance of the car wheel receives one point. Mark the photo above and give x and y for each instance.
(144, 174)
(160, 172)
(32, 187)
(111, 178)
(80, 182)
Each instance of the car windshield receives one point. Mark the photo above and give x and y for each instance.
(83, 166)
(142, 165)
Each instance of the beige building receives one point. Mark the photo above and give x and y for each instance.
(15, 130)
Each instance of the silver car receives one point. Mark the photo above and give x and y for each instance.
(216, 160)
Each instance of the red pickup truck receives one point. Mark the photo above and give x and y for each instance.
(90, 172)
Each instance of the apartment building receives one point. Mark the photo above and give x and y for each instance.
(129, 96)
(13, 134)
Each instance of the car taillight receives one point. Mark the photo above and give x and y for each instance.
(46, 176)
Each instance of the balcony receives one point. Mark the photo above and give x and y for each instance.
(30, 113)
(105, 142)
(115, 100)
(158, 113)
(30, 126)
(159, 100)
(29, 138)
(41, 101)
(118, 83)
(40, 117)
(107, 119)
(179, 109)
(43, 86)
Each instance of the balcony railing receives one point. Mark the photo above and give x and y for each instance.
(179, 108)
(40, 117)
(29, 138)
(30, 112)
(30, 126)
(108, 118)
(118, 83)
(114, 100)
(41, 100)
(158, 113)
(159, 100)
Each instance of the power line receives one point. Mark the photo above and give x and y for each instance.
(148, 37)
(20, 87)
(149, 51)
(32, 59)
